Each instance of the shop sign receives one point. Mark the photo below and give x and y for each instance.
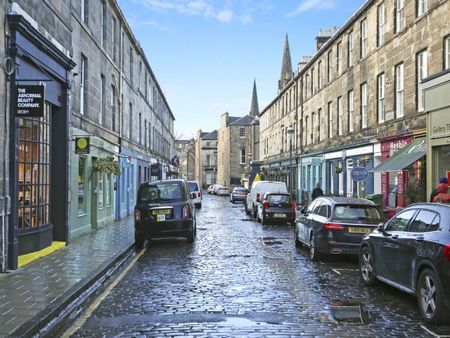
(82, 145)
(360, 174)
(30, 101)
(440, 125)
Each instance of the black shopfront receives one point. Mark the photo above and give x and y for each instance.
(38, 145)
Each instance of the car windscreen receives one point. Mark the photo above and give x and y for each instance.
(193, 186)
(161, 192)
(352, 212)
(240, 189)
(278, 198)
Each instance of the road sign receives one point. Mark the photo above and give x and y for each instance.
(30, 101)
(360, 174)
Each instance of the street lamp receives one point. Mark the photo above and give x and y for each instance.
(290, 131)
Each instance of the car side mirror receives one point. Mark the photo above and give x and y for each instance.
(380, 227)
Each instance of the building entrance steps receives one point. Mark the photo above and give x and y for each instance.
(34, 295)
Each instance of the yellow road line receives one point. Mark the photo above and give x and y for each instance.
(82, 320)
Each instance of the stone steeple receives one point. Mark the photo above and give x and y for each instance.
(254, 110)
(286, 67)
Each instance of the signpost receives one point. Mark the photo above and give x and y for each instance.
(360, 174)
(30, 101)
(82, 145)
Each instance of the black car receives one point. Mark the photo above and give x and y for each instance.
(412, 253)
(336, 225)
(276, 208)
(164, 209)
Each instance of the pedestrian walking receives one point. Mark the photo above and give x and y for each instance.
(317, 192)
(435, 192)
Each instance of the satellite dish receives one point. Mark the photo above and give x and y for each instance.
(9, 65)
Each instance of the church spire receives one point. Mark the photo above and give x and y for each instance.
(254, 110)
(286, 67)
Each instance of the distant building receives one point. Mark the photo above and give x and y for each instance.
(186, 153)
(206, 158)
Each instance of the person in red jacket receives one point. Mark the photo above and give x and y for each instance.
(443, 196)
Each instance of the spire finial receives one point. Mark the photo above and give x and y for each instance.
(254, 110)
(286, 66)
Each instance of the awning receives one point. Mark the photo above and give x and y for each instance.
(404, 157)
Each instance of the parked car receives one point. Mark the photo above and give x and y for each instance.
(258, 190)
(336, 225)
(164, 209)
(194, 187)
(223, 191)
(276, 208)
(238, 194)
(412, 253)
(210, 189)
(216, 188)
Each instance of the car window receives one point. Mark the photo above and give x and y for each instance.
(317, 207)
(193, 186)
(324, 210)
(161, 192)
(400, 222)
(278, 198)
(312, 206)
(354, 212)
(425, 220)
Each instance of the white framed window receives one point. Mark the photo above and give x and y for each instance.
(113, 108)
(381, 23)
(319, 130)
(103, 22)
(339, 115)
(350, 45)
(107, 190)
(319, 74)
(399, 15)
(381, 94)
(400, 90)
(422, 7)
(102, 98)
(447, 52)
(330, 119)
(242, 156)
(422, 73)
(306, 130)
(100, 195)
(330, 67)
(83, 11)
(113, 38)
(351, 108)
(364, 38)
(242, 132)
(313, 122)
(364, 105)
(339, 58)
(83, 71)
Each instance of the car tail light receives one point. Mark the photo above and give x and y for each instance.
(266, 205)
(446, 252)
(333, 226)
(293, 206)
(137, 215)
(257, 197)
(186, 211)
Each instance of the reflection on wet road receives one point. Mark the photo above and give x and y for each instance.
(242, 278)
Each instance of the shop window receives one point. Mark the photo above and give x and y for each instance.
(108, 190)
(349, 178)
(81, 185)
(34, 141)
(100, 194)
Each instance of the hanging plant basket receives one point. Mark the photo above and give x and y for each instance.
(338, 170)
(107, 165)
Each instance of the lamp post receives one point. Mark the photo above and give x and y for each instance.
(290, 131)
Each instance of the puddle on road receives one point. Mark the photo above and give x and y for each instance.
(350, 311)
(271, 241)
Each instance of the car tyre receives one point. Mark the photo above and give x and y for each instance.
(191, 237)
(198, 205)
(430, 298)
(298, 244)
(254, 213)
(232, 200)
(138, 242)
(366, 266)
(313, 251)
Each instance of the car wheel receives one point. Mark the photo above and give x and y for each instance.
(430, 298)
(255, 213)
(366, 266)
(313, 251)
(232, 201)
(191, 237)
(138, 242)
(298, 244)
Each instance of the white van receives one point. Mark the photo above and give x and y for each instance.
(194, 187)
(257, 192)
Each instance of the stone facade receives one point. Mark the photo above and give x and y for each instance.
(369, 56)
(206, 158)
(186, 150)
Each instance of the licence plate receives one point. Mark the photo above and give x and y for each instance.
(160, 218)
(356, 230)
(279, 215)
(161, 212)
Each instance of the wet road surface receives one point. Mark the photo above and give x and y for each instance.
(243, 279)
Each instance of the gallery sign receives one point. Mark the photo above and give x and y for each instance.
(360, 174)
(30, 101)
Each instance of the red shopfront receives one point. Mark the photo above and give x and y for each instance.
(393, 183)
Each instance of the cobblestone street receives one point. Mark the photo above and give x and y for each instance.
(243, 279)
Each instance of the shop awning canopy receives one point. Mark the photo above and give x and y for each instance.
(404, 157)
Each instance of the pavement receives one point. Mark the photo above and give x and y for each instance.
(33, 296)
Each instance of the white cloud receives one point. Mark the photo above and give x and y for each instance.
(203, 8)
(309, 5)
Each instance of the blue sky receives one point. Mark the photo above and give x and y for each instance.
(206, 53)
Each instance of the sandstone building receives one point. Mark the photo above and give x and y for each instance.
(206, 158)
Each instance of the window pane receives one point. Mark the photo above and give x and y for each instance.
(423, 221)
(400, 222)
(81, 185)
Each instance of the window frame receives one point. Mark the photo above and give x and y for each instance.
(242, 156)
(400, 21)
(363, 38)
(83, 86)
(350, 47)
(381, 97)
(351, 109)
(339, 107)
(330, 119)
(364, 103)
(421, 73)
(399, 97)
(381, 23)
(421, 10)
(446, 50)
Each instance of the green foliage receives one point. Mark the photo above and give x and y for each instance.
(107, 165)
(338, 170)
(414, 193)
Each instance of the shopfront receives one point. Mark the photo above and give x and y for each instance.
(126, 184)
(437, 106)
(38, 141)
(311, 173)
